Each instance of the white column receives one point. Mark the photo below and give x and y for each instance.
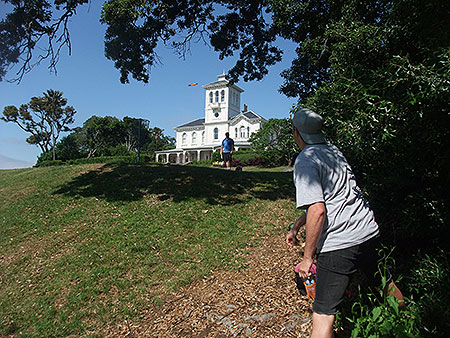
(198, 155)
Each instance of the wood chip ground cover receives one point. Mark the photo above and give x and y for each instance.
(259, 301)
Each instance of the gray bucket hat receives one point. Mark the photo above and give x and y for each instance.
(309, 125)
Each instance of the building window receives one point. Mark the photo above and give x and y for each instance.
(248, 132)
(217, 96)
(216, 133)
(235, 132)
(210, 97)
(242, 132)
(222, 96)
(203, 137)
(194, 138)
(184, 139)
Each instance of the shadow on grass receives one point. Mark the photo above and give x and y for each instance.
(125, 182)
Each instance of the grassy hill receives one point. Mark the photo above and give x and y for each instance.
(83, 246)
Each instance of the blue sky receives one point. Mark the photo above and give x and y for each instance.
(91, 84)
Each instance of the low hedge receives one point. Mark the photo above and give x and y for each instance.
(111, 159)
(101, 159)
(49, 163)
(259, 158)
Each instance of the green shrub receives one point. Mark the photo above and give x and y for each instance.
(120, 150)
(382, 319)
(266, 158)
(216, 156)
(44, 157)
(49, 163)
(378, 315)
(429, 285)
(112, 159)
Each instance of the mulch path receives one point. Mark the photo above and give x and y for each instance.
(261, 301)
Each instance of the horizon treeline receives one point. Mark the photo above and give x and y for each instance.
(110, 136)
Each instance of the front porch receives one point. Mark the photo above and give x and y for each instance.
(181, 156)
(205, 153)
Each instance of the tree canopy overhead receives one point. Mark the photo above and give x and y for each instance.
(34, 31)
(248, 28)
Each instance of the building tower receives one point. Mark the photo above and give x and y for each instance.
(222, 102)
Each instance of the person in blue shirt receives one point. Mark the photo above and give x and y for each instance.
(226, 150)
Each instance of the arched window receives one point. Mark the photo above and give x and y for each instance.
(210, 97)
(184, 139)
(216, 133)
(222, 96)
(217, 96)
(242, 132)
(248, 132)
(203, 137)
(235, 132)
(194, 138)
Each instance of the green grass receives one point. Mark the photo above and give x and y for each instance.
(86, 245)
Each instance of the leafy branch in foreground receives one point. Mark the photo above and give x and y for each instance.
(24, 28)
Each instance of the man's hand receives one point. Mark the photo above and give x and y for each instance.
(291, 238)
(304, 267)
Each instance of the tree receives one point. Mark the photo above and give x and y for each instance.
(44, 118)
(136, 27)
(276, 134)
(27, 25)
(158, 141)
(100, 133)
(68, 148)
(137, 133)
(109, 136)
(387, 108)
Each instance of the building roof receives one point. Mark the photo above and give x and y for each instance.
(251, 115)
(198, 122)
(248, 114)
(222, 81)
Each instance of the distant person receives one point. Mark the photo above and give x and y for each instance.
(340, 226)
(226, 150)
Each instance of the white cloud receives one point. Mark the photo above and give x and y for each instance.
(11, 163)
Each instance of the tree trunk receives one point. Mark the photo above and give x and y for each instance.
(53, 148)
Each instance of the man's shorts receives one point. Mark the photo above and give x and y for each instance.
(334, 269)
(227, 157)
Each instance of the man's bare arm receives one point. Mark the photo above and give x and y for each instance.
(314, 225)
(291, 237)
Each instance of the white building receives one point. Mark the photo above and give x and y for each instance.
(198, 139)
